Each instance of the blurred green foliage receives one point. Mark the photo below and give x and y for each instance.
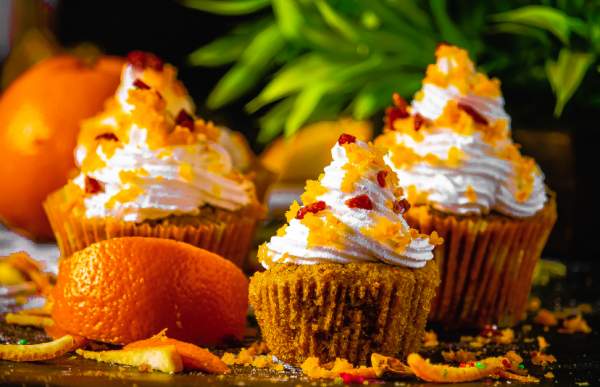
(320, 58)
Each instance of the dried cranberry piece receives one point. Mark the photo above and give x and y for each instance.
(477, 117)
(185, 119)
(107, 136)
(398, 111)
(92, 185)
(401, 206)
(141, 60)
(312, 208)
(346, 138)
(361, 201)
(419, 121)
(490, 330)
(352, 379)
(381, 175)
(140, 84)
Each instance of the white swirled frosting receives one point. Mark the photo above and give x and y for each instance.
(340, 232)
(142, 158)
(460, 157)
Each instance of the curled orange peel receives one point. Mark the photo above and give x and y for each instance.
(44, 351)
(193, 356)
(29, 320)
(439, 373)
(165, 358)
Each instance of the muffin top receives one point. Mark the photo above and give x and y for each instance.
(352, 213)
(147, 157)
(452, 147)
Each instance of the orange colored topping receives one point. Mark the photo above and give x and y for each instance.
(414, 196)
(312, 191)
(461, 73)
(324, 230)
(435, 239)
(471, 194)
(126, 195)
(388, 232)
(292, 212)
(186, 171)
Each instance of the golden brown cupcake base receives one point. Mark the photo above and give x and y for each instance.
(349, 311)
(486, 263)
(226, 233)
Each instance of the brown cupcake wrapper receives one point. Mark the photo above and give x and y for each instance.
(227, 234)
(346, 311)
(486, 264)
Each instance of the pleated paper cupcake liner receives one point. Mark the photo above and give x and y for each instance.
(227, 234)
(346, 311)
(486, 264)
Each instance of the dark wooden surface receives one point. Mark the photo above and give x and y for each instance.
(578, 355)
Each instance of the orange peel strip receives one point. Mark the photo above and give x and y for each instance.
(44, 351)
(29, 320)
(519, 378)
(193, 356)
(165, 358)
(23, 262)
(439, 373)
(34, 312)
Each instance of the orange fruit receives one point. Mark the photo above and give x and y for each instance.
(126, 289)
(40, 114)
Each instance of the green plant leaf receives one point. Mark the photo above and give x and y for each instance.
(245, 74)
(518, 29)
(271, 124)
(305, 104)
(565, 75)
(547, 18)
(411, 12)
(293, 25)
(449, 31)
(220, 51)
(227, 7)
(310, 67)
(338, 22)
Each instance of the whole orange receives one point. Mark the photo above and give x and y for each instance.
(40, 113)
(126, 289)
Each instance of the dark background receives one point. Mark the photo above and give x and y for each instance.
(566, 148)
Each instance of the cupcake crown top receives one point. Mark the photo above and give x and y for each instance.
(147, 156)
(352, 213)
(452, 146)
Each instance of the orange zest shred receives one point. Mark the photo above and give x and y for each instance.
(43, 351)
(546, 318)
(193, 356)
(29, 320)
(257, 355)
(473, 371)
(430, 339)
(32, 269)
(542, 359)
(164, 358)
(312, 368)
(575, 324)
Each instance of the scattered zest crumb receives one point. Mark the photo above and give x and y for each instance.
(546, 318)
(576, 324)
(549, 375)
(542, 359)
(430, 339)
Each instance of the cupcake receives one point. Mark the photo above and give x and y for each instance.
(453, 154)
(148, 167)
(346, 276)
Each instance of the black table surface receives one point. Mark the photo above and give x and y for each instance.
(578, 355)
